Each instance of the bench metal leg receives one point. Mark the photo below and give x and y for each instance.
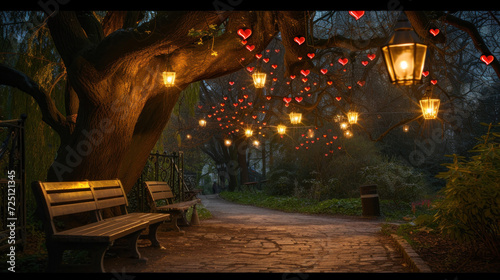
(153, 229)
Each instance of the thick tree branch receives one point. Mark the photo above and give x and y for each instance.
(50, 114)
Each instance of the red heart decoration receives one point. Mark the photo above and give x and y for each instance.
(222, 110)
(323, 71)
(225, 97)
(487, 59)
(361, 83)
(240, 100)
(231, 83)
(266, 60)
(434, 31)
(209, 116)
(307, 88)
(250, 103)
(334, 137)
(275, 79)
(268, 97)
(254, 117)
(287, 99)
(298, 98)
(304, 72)
(244, 33)
(434, 82)
(357, 14)
(200, 106)
(310, 55)
(235, 104)
(304, 80)
(258, 56)
(299, 40)
(292, 77)
(274, 66)
(364, 62)
(277, 50)
(218, 119)
(245, 96)
(425, 73)
(371, 56)
(338, 98)
(243, 42)
(250, 69)
(286, 105)
(299, 57)
(250, 47)
(329, 83)
(343, 61)
(222, 104)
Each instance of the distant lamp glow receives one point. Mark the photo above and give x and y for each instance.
(281, 129)
(188, 137)
(352, 117)
(248, 132)
(406, 128)
(169, 79)
(343, 125)
(348, 133)
(256, 143)
(228, 142)
(404, 54)
(202, 123)
(310, 133)
(259, 79)
(430, 107)
(295, 118)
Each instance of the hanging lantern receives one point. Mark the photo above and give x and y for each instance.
(352, 117)
(169, 79)
(430, 107)
(281, 129)
(406, 128)
(228, 142)
(259, 79)
(202, 123)
(404, 54)
(256, 143)
(248, 132)
(295, 118)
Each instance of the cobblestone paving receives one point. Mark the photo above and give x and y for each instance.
(244, 238)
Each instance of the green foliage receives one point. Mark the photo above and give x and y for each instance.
(281, 180)
(396, 180)
(470, 207)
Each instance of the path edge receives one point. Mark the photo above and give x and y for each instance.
(409, 255)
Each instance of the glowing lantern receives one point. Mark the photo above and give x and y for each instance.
(295, 118)
(169, 79)
(343, 125)
(404, 55)
(188, 137)
(256, 143)
(430, 107)
(406, 128)
(248, 132)
(259, 79)
(348, 134)
(228, 142)
(310, 133)
(352, 117)
(281, 129)
(202, 123)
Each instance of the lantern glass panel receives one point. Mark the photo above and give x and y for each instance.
(259, 79)
(430, 108)
(352, 117)
(295, 118)
(169, 79)
(281, 129)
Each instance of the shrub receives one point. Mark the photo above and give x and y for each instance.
(396, 181)
(470, 207)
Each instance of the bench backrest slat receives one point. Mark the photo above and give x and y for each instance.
(109, 193)
(63, 198)
(159, 191)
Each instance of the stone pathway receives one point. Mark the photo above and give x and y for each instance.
(244, 238)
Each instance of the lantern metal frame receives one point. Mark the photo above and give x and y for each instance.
(430, 107)
(168, 78)
(352, 117)
(404, 42)
(295, 118)
(281, 129)
(259, 79)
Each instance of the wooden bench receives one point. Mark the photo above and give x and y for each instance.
(70, 200)
(161, 199)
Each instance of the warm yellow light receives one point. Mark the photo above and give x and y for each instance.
(169, 79)
(310, 133)
(403, 65)
(343, 125)
(259, 79)
(430, 108)
(248, 132)
(228, 142)
(188, 137)
(256, 143)
(202, 123)
(348, 133)
(295, 118)
(352, 117)
(406, 128)
(281, 129)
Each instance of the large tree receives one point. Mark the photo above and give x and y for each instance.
(116, 103)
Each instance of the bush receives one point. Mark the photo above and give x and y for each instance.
(470, 207)
(396, 181)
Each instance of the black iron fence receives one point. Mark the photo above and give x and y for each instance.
(159, 167)
(12, 184)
